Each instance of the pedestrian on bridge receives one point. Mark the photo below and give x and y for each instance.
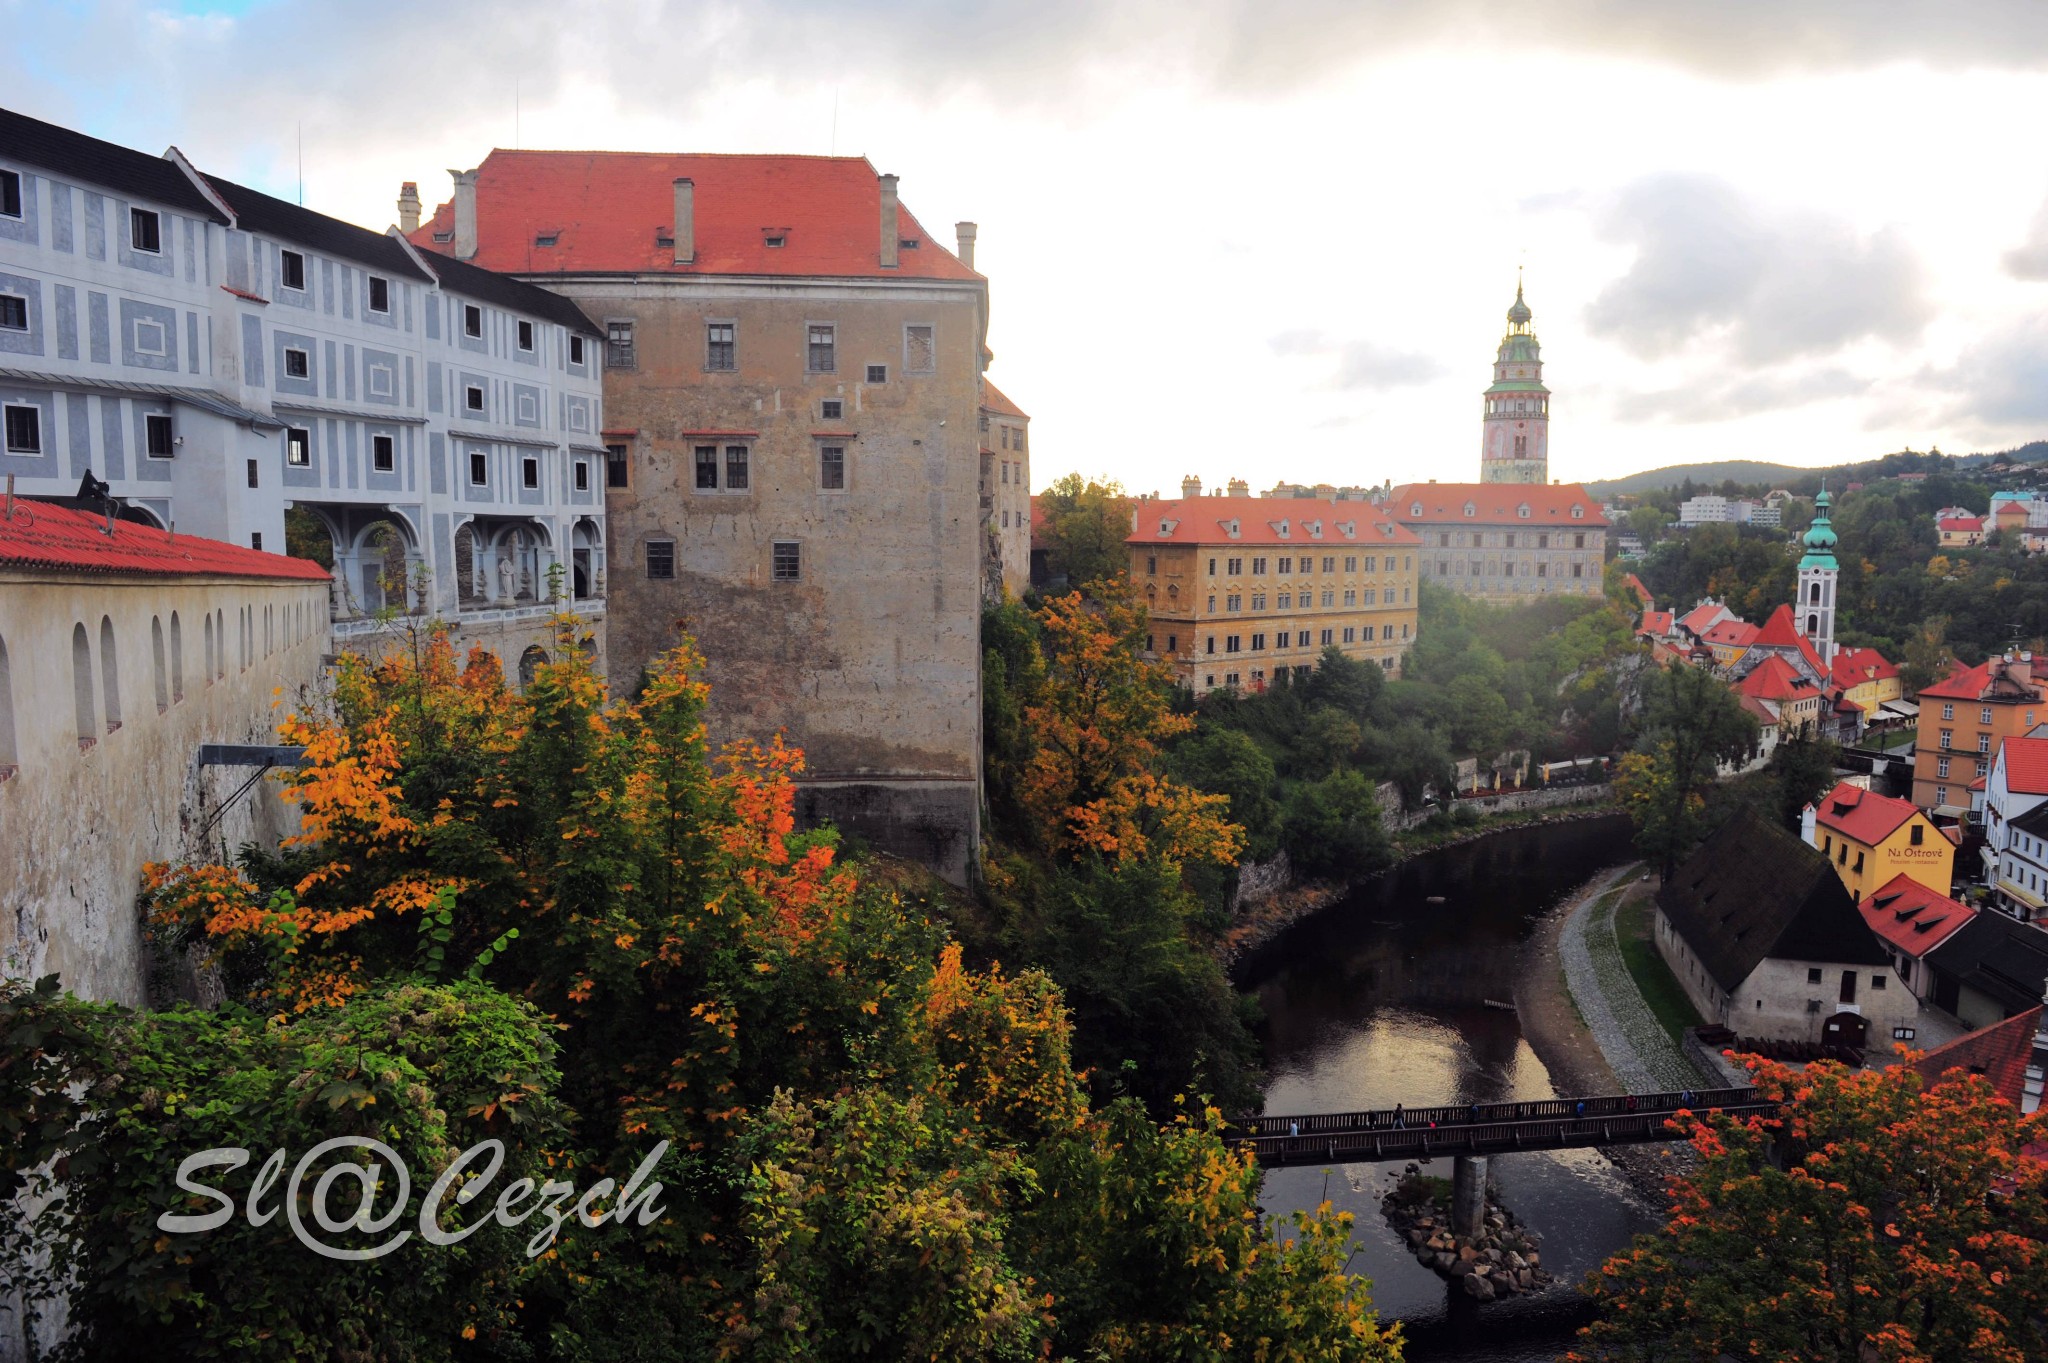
(1398, 1123)
(1294, 1128)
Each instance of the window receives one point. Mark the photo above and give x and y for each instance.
(618, 345)
(1233, 602)
(1327, 637)
(1212, 649)
(832, 468)
(1258, 567)
(529, 471)
(661, 558)
(84, 714)
(13, 312)
(10, 193)
(1329, 598)
(472, 320)
(383, 455)
(1940, 769)
(1330, 564)
(291, 270)
(721, 347)
(1876, 983)
(878, 373)
(920, 356)
(473, 397)
(582, 475)
(707, 468)
(735, 468)
(24, 430)
(145, 231)
(831, 408)
(252, 473)
(1813, 975)
(157, 435)
(298, 448)
(1301, 639)
(1234, 567)
(110, 674)
(616, 466)
(298, 364)
(575, 350)
(1212, 567)
(1286, 566)
(380, 294)
(1230, 643)
(479, 468)
(786, 562)
(821, 357)
(1918, 833)
(1941, 795)
(525, 335)
(1351, 563)
(1984, 715)
(256, 539)
(1983, 742)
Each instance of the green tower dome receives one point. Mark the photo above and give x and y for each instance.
(1820, 536)
(1519, 314)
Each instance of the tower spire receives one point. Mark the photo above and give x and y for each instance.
(1819, 574)
(1515, 428)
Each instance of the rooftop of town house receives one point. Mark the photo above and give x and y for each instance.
(1703, 616)
(1734, 633)
(1267, 522)
(2025, 761)
(1496, 504)
(1999, 1053)
(1913, 917)
(1998, 679)
(1655, 622)
(1779, 631)
(1862, 815)
(1776, 679)
(1855, 666)
(1961, 524)
(993, 401)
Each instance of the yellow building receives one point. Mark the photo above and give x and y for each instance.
(1866, 678)
(1870, 838)
(1242, 588)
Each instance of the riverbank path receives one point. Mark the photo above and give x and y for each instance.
(1636, 1046)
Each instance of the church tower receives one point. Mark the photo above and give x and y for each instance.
(1515, 447)
(1814, 609)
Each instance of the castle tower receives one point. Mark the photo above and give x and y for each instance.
(1814, 609)
(1515, 446)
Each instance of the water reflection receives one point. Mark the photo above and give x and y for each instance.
(1383, 999)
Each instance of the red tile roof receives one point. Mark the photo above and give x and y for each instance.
(1496, 504)
(1855, 666)
(41, 535)
(1962, 523)
(1780, 632)
(1865, 816)
(1775, 679)
(1734, 633)
(602, 209)
(1259, 520)
(1978, 683)
(1761, 710)
(1912, 917)
(1635, 584)
(1999, 1052)
(2026, 765)
(992, 400)
(1655, 623)
(1702, 616)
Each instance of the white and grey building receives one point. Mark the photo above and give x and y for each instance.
(218, 356)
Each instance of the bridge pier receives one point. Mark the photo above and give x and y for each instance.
(1468, 1196)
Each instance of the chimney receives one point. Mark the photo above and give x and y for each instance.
(1240, 488)
(964, 232)
(889, 228)
(409, 206)
(465, 213)
(1190, 486)
(686, 222)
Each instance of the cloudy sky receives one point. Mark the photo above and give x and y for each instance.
(1264, 238)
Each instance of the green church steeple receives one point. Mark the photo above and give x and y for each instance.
(1820, 536)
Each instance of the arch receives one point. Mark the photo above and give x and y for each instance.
(10, 757)
(220, 649)
(110, 675)
(159, 671)
(1813, 593)
(1812, 625)
(81, 688)
(468, 585)
(177, 660)
(209, 650)
(530, 663)
(384, 550)
(141, 515)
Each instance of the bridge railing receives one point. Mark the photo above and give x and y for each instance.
(1450, 1115)
(1491, 1138)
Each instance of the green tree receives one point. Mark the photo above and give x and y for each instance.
(1084, 525)
(1692, 725)
(1333, 828)
(1802, 769)
(1227, 762)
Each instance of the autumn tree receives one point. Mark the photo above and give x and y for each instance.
(1085, 522)
(1691, 726)
(1870, 1221)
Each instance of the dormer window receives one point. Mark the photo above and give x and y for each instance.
(1415, 508)
(1282, 528)
(1315, 530)
(547, 238)
(1523, 511)
(1470, 509)
(1349, 529)
(774, 239)
(1578, 513)
(1230, 528)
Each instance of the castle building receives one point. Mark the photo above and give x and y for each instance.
(793, 392)
(1241, 588)
(1504, 541)
(1005, 494)
(218, 357)
(1515, 441)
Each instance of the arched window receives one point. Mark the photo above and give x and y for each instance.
(81, 688)
(161, 673)
(1578, 513)
(1812, 625)
(110, 675)
(1415, 508)
(220, 651)
(530, 663)
(209, 650)
(177, 660)
(1469, 508)
(1523, 511)
(9, 755)
(1813, 593)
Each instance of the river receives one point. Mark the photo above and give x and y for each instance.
(1380, 999)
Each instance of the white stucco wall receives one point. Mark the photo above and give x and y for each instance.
(78, 819)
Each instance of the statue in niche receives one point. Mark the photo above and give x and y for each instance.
(507, 578)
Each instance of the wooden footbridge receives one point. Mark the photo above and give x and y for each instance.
(1483, 1128)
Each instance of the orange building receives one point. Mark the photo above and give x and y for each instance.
(1242, 588)
(1963, 720)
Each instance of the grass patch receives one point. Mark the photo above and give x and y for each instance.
(1659, 987)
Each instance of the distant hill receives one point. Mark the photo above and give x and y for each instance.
(1712, 475)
